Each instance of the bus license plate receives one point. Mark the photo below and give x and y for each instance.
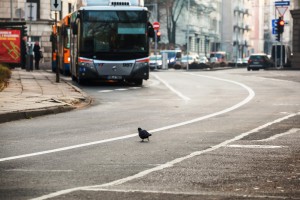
(114, 77)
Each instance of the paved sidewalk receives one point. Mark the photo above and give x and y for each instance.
(36, 93)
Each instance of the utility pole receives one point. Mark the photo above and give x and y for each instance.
(11, 10)
(56, 6)
(188, 36)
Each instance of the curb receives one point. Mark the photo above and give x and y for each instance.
(28, 114)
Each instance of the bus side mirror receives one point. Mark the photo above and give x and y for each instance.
(151, 32)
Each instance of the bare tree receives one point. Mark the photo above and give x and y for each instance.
(173, 10)
(170, 10)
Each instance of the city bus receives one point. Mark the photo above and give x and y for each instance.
(110, 42)
(62, 56)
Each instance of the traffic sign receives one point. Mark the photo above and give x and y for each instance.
(282, 3)
(281, 10)
(156, 26)
(274, 23)
(274, 26)
(30, 11)
(55, 5)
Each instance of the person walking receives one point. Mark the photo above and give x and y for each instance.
(37, 55)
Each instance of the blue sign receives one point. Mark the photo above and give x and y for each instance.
(282, 3)
(274, 23)
(274, 26)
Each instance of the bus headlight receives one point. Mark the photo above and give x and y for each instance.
(142, 63)
(86, 63)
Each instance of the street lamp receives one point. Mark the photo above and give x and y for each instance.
(188, 36)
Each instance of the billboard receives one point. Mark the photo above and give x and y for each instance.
(10, 46)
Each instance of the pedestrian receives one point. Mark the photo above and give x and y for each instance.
(23, 52)
(37, 54)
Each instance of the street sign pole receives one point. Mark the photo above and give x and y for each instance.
(56, 49)
(56, 6)
(281, 7)
(188, 36)
(156, 26)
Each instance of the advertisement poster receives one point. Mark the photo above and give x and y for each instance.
(10, 43)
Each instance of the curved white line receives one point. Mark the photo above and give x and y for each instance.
(250, 96)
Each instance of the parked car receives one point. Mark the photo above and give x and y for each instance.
(239, 62)
(245, 61)
(155, 62)
(191, 59)
(203, 60)
(259, 61)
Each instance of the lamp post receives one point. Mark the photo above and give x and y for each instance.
(188, 36)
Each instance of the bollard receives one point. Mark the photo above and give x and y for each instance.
(29, 63)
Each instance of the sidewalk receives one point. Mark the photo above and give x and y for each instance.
(36, 93)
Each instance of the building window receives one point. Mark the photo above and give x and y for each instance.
(38, 7)
(69, 7)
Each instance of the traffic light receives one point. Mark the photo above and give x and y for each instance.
(24, 31)
(278, 36)
(158, 36)
(280, 25)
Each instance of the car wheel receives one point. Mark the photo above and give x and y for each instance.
(248, 68)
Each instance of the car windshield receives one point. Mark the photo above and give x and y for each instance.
(257, 57)
(153, 58)
(187, 58)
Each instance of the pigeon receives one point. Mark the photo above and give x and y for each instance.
(144, 134)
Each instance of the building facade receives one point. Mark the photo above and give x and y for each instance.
(236, 27)
(296, 35)
(197, 27)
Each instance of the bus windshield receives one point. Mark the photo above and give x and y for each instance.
(114, 31)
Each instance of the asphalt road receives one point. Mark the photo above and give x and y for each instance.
(228, 134)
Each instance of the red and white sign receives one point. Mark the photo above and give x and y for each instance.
(156, 26)
(281, 10)
(10, 42)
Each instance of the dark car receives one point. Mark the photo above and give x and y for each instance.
(259, 61)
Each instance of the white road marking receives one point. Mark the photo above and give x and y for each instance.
(246, 100)
(121, 89)
(163, 166)
(172, 89)
(291, 131)
(104, 91)
(153, 82)
(254, 146)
